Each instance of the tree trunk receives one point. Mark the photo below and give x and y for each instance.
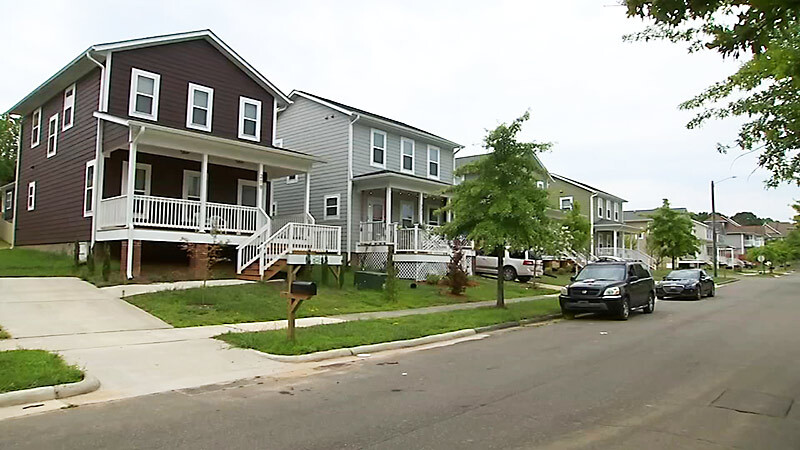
(501, 301)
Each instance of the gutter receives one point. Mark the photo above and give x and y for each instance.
(591, 223)
(350, 185)
(98, 152)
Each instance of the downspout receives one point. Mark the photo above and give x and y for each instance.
(16, 187)
(350, 186)
(98, 152)
(591, 223)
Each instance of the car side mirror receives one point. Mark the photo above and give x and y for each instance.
(572, 278)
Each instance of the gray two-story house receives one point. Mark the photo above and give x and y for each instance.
(383, 182)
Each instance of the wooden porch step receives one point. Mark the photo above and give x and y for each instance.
(250, 273)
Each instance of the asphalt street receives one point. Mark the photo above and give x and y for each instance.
(716, 373)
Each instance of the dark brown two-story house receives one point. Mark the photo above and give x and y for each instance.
(158, 141)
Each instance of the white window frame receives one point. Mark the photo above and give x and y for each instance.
(244, 182)
(325, 207)
(438, 162)
(428, 220)
(278, 143)
(31, 196)
(68, 105)
(185, 190)
(51, 150)
(616, 211)
(608, 210)
(412, 207)
(273, 210)
(148, 170)
(600, 208)
(257, 103)
(36, 128)
(87, 198)
(292, 179)
(135, 74)
(403, 155)
(8, 200)
(372, 147)
(561, 203)
(540, 184)
(190, 106)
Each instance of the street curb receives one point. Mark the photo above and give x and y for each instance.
(501, 326)
(369, 348)
(40, 394)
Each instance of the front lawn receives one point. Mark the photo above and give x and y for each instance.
(26, 369)
(362, 332)
(260, 302)
(20, 262)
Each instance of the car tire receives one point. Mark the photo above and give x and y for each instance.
(660, 297)
(509, 273)
(712, 292)
(524, 279)
(651, 304)
(568, 315)
(624, 310)
(699, 295)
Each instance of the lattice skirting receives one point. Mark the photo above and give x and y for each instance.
(407, 270)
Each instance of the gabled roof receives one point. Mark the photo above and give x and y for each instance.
(723, 218)
(464, 160)
(351, 111)
(757, 230)
(639, 215)
(88, 59)
(586, 187)
(783, 228)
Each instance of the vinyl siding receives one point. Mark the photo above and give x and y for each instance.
(320, 131)
(58, 216)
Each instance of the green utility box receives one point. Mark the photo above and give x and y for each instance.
(370, 280)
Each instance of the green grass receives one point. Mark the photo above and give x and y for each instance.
(26, 369)
(20, 262)
(4, 334)
(557, 279)
(260, 302)
(362, 332)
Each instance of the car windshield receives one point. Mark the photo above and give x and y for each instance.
(602, 272)
(684, 275)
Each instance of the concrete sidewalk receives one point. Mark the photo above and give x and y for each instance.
(126, 290)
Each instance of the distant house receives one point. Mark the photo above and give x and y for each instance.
(641, 219)
(7, 212)
(734, 240)
(778, 230)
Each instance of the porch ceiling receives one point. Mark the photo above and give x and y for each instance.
(617, 227)
(396, 180)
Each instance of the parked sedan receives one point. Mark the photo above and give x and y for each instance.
(687, 283)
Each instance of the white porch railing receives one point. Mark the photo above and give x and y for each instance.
(627, 254)
(279, 221)
(377, 232)
(176, 213)
(421, 238)
(289, 238)
(111, 212)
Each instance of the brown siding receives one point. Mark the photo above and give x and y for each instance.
(58, 216)
(179, 64)
(167, 177)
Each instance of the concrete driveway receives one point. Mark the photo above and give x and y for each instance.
(32, 307)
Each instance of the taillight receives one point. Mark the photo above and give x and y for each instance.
(528, 262)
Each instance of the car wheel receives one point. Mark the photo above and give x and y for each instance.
(568, 315)
(651, 304)
(699, 295)
(509, 274)
(524, 279)
(660, 297)
(624, 309)
(712, 292)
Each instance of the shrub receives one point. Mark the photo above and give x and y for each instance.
(456, 275)
(433, 279)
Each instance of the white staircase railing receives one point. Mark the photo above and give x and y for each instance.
(627, 254)
(250, 250)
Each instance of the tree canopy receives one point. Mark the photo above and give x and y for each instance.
(578, 230)
(748, 218)
(9, 134)
(765, 91)
(499, 204)
(671, 234)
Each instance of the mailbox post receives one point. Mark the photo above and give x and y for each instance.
(298, 291)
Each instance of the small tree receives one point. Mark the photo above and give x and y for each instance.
(456, 275)
(671, 234)
(390, 288)
(578, 229)
(499, 204)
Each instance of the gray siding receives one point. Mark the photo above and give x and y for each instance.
(362, 154)
(317, 130)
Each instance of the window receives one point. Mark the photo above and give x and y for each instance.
(36, 127)
(616, 212)
(407, 214)
(141, 183)
(608, 209)
(291, 179)
(406, 155)
(52, 135)
(200, 102)
(540, 184)
(249, 119)
(274, 209)
(191, 185)
(433, 162)
(247, 193)
(68, 113)
(378, 145)
(433, 218)
(565, 203)
(143, 102)
(9, 200)
(331, 207)
(31, 196)
(600, 208)
(88, 190)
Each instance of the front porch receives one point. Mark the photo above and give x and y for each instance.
(614, 239)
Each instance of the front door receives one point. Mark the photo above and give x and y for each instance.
(376, 229)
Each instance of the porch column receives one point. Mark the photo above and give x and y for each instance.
(260, 194)
(616, 251)
(420, 213)
(203, 191)
(129, 205)
(307, 205)
(99, 182)
(388, 215)
(449, 213)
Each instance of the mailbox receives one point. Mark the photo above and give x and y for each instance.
(306, 288)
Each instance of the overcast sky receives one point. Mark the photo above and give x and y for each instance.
(455, 68)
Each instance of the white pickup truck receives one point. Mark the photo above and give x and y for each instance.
(520, 266)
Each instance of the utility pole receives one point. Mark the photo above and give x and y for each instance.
(714, 228)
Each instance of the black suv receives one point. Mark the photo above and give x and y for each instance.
(616, 287)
